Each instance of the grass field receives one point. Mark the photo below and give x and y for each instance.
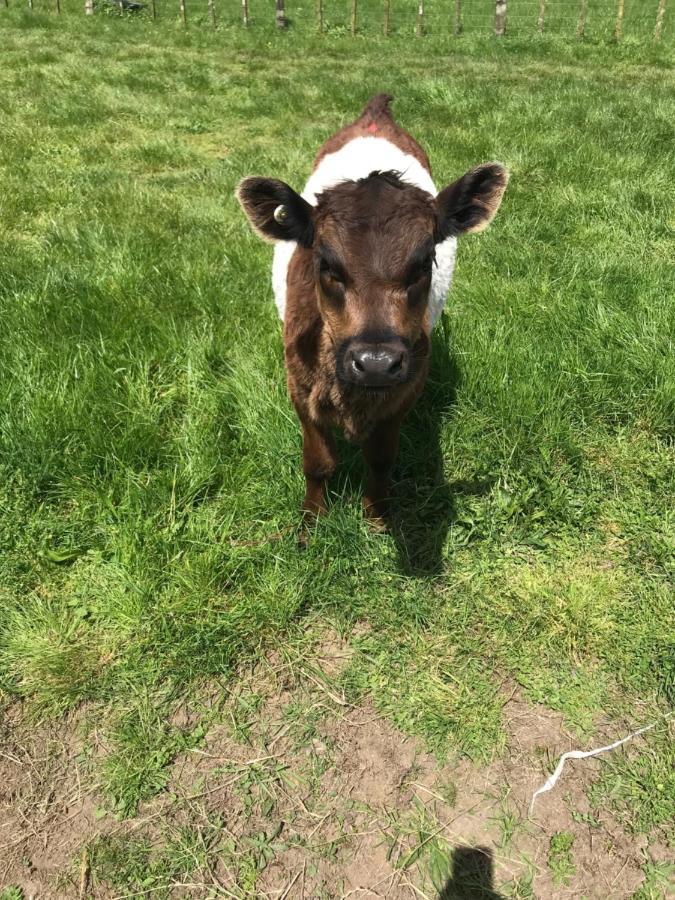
(189, 700)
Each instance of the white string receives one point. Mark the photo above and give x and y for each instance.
(582, 754)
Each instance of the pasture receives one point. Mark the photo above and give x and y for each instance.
(193, 706)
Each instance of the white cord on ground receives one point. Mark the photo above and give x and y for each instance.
(582, 754)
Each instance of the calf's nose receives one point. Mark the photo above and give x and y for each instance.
(377, 366)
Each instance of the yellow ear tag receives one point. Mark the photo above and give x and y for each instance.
(280, 214)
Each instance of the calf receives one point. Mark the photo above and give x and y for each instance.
(362, 265)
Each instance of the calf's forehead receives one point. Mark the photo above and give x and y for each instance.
(374, 224)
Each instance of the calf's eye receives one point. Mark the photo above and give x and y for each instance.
(329, 276)
(419, 273)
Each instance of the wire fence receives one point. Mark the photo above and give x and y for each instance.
(592, 19)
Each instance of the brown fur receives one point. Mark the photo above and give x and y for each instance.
(376, 120)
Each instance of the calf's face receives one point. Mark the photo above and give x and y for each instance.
(373, 244)
(373, 255)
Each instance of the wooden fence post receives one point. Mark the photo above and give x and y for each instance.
(244, 12)
(183, 12)
(319, 14)
(420, 18)
(58, 7)
(354, 17)
(457, 28)
(30, 4)
(280, 15)
(660, 16)
(581, 24)
(500, 18)
(618, 28)
(385, 25)
(542, 15)
(89, 7)
(212, 11)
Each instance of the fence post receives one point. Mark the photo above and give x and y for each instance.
(581, 24)
(542, 14)
(89, 7)
(183, 12)
(354, 17)
(319, 14)
(385, 26)
(457, 27)
(30, 4)
(660, 16)
(500, 18)
(280, 15)
(244, 12)
(618, 28)
(420, 18)
(58, 7)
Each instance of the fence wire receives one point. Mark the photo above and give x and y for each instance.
(440, 17)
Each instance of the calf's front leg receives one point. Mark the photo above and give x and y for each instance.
(380, 450)
(319, 458)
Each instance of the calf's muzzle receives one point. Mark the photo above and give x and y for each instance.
(375, 365)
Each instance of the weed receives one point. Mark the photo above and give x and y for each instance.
(659, 881)
(12, 892)
(560, 859)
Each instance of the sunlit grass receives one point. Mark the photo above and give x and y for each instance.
(150, 457)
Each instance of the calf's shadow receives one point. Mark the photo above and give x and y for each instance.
(422, 507)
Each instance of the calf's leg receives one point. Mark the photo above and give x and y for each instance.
(380, 451)
(319, 458)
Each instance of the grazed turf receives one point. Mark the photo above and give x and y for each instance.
(149, 455)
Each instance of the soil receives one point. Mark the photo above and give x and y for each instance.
(349, 806)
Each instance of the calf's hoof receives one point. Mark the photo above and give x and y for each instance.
(376, 512)
(311, 510)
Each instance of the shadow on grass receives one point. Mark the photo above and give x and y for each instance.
(472, 876)
(423, 506)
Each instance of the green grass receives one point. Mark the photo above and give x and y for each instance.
(659, 882)
(560, 858)
(149, 457)
(12, 893)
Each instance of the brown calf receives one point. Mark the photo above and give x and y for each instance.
(362, 265)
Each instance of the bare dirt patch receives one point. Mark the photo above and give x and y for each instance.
(48, 804)
(298, 794)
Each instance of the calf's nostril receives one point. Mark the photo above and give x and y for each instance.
(396, 365)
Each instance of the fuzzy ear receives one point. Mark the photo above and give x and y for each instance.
(275, 211)
(471, 202)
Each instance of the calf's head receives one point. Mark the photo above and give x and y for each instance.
(373, 245)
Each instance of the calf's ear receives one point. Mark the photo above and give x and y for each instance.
(471, 202)
(275, 211)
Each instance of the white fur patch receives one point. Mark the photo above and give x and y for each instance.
(355, 160)
(358, 159)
